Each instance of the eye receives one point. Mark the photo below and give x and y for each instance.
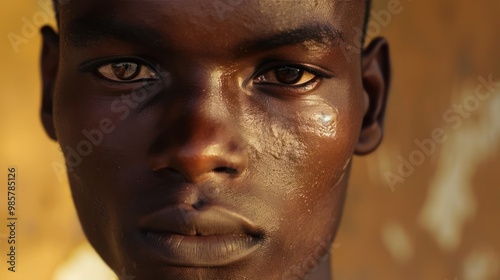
(287, 75)
(126, 71)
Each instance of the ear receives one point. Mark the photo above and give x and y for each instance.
(376, 72)
(49, 66)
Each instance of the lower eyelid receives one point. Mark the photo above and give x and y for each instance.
(304, 86)
(111, 87)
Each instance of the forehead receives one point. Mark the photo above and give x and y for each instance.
(198, 24)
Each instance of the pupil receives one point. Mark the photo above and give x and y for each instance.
(288, 75)
(125, 70)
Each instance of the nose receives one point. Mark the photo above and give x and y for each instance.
(200, 138)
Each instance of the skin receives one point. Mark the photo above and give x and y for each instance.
(208, 123)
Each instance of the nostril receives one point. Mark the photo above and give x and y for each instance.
(227, 170)
(199, 204)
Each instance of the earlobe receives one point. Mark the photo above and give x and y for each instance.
(376, 72)
(49, 66)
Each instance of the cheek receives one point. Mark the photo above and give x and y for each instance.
(272, 138)
(314, 136)
(301, 154)
(289, 135)
(91, 124)
(318, 122)
(85, 131)
(90, 134)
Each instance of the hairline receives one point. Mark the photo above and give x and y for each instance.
(365, 20)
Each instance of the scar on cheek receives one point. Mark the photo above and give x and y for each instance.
(348, 161)
(273, 137)
(282, 136)
(344, 170)
(277, 140)
(320, 119)
(341, 174)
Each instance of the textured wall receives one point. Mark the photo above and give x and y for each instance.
(425, 206)
(424, 213)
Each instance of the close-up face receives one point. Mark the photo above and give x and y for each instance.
(211, 140)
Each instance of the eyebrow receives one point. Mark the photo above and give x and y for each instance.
(322, 35)
(89, 32)
(92, 31)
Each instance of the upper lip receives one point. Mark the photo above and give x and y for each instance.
(185, 220)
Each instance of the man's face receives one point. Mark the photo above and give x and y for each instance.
(209, 139)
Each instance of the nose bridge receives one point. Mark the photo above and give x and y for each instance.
(204, 139)
(205, 116)
(205, 96)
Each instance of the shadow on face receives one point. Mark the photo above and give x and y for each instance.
(212, 140)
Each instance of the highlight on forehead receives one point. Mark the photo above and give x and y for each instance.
(367, 9)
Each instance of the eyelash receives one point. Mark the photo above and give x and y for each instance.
(94, 67)
(318, 75)
(305, 87)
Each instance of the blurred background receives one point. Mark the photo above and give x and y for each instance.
(426, 205)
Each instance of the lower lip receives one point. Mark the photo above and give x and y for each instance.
(202, 251)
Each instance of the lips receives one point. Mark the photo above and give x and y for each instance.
(184, 236)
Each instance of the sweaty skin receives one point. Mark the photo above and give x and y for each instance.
(212, 144)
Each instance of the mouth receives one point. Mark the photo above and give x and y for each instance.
(183, 236)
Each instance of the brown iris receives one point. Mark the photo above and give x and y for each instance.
(126, 70)
(288, 75)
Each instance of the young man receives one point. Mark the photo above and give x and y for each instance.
(212, 139)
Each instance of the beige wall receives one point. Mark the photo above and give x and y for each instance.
(440, 221)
